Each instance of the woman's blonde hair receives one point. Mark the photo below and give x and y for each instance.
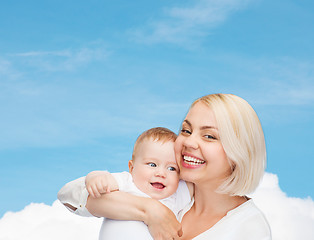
(243, 140)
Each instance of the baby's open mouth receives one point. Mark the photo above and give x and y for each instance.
(158, 185)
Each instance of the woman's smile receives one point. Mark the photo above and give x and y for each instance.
(190, 161)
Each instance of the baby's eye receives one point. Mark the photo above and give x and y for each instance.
(172, 169)
(152, 164)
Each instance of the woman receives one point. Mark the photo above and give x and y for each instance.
(221, 150)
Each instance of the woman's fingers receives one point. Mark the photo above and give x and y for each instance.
(162, 223)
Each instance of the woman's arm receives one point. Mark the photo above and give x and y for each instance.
(160, 220)
(119, 205)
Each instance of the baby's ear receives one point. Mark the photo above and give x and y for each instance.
(131, 166)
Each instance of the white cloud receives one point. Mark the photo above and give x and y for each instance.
(40, 221)
(284, 93)
(289, 218)
(185, 25)
(7, 71)
(63, 53)
(288, 81)
(63, 60)
(271, 81)
(46, 114)
(4, 66)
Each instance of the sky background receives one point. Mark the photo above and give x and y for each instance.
(80, 80)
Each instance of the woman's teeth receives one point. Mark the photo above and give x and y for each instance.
(192, 161)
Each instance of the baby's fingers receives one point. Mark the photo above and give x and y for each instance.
(105, 186)
(93, 191)
(90, 191)
(101, 188)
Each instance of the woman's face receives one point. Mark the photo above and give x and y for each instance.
(199, 152)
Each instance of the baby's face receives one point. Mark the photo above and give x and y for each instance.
(154, 170)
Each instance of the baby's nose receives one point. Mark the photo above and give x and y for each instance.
(160, 172)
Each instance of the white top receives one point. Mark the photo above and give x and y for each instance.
(75, 194)
(245, 222)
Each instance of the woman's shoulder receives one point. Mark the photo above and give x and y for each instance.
(244, 222)
(250, 219)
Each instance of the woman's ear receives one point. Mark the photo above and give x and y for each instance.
(131, 166)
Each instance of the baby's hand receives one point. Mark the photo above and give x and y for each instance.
(98, 182)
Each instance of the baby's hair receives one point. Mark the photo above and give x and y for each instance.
(155, 134)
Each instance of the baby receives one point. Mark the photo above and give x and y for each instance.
(153, 172)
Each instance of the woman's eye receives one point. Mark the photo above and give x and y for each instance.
(172, 168)
(185, 131)
(210, 137)
(152, 164)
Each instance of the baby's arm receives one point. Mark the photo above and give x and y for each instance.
(98, 182)
(73, 195)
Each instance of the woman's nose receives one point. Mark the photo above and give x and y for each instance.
(190, 142)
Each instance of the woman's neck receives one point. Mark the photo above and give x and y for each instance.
(209, 201)
(209, 208)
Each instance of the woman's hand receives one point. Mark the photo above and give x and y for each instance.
(161, 222)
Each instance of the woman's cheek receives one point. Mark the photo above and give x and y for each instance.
(178, 150)
(178, 145)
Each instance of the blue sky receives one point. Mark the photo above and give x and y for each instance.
(79, 81)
